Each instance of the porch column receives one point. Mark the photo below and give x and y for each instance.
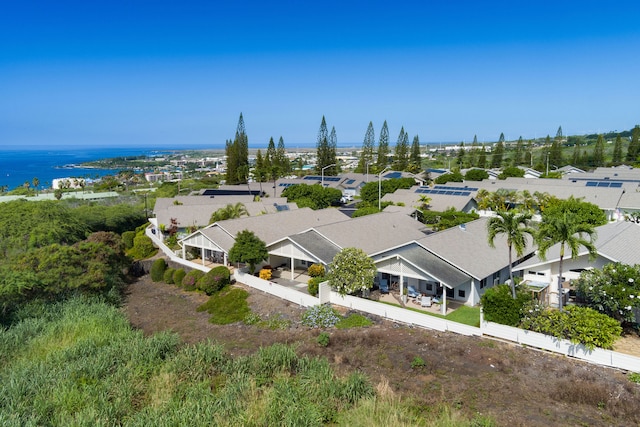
(184, 252)
(444, 300)
(202, 255)
(292, 268)
(401, 283)
(224, 257)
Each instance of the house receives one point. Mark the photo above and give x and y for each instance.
(215, 241)
(615, 242)
(456, 263)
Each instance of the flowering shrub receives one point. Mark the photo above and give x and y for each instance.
(178, 275)
(190, 280)
(214, 280)
(316, 270)
(580, 325)
(265, 274)
(320, 316)
(614, 290)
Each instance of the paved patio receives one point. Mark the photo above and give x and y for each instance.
(415, 304)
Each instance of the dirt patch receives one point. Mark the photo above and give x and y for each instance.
(515, 386)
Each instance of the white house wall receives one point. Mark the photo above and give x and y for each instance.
(287, 249)
(397, 267)
(201, 241)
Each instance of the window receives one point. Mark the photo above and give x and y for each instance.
(461, 293)
(483, 283)
(429, 287)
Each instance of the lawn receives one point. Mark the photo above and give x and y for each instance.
(466, 315)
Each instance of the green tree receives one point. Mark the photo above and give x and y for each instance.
(634, 146)
(598, 152)
(454, 176)
(248, 249)
(230, 211)
(333, 153)
(514, 225)
(511, 171)
(498, 153)
(312, 196)
(238, 156)
(351, 270)
(383, 148)
(461, 155)
(519, 155)
(476, 175)
(617, 152)
(482, 157)
(326, 155)
(282, 161)
(561, 225)
(401, 157)
(366, 157)
(415, 161)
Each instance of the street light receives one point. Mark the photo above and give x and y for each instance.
(322, 178)
(367, 166)
(380, 187)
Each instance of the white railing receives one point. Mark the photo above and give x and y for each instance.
(171, 255)
(534, 339)
(402, 315)
(301, 298)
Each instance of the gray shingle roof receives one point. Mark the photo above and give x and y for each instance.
(468, 249)
(317, 245)
(429, 263)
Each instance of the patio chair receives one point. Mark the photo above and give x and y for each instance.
(425, 301)
(384, 286)
(411, 292)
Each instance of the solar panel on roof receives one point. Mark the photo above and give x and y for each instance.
(392, 175)
(615, 185)
(465, 193)
(313, 177)
(603, 184)
(281, 208)
(592, 184)
(350, 181)
(448, 193)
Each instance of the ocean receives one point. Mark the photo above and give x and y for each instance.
(19, 166)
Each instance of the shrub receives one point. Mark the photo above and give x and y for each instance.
(178, 275)
(476, 175)
(157, 269)
(189, 283)
(127, 238)
(354, 320)
(214, 280)
(316, 270)
(500, 307)
(634, 377)
(417, 363)
(320, 316)
(580, 325)
(168, 275)
(142, 247)
(313, 285)
(449, 177)
(323, 339)
(227, 307)
(265, 274)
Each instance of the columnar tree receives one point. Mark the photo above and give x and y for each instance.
(333, 152)
(366, 157)
(383, 147)
(519, 155)
(482, 157)
(474, 153)
(282, 161)
(515, 226)
(460, 157)
(238, 156)
(401, 157)
(598, 152)
(617, 151)
(415, 161)
(326, 155)
(634, 146)
(498, 153)
(351, 270)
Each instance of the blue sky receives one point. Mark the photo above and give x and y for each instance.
(178, 74)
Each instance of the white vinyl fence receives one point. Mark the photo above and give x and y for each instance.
(534, 339)
(171, 255)
(302, 298)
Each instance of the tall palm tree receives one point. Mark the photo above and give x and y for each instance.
(566, 229)
(515, 226)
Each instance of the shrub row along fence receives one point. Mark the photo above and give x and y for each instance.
(534, 339)
(326, 295)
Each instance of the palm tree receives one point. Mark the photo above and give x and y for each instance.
(515, 225)
(566, 229)
(36, 183)
(229, 212)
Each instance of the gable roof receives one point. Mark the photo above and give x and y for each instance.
(374, 233)
(317, 245)
(467, 248)
(616, 241)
